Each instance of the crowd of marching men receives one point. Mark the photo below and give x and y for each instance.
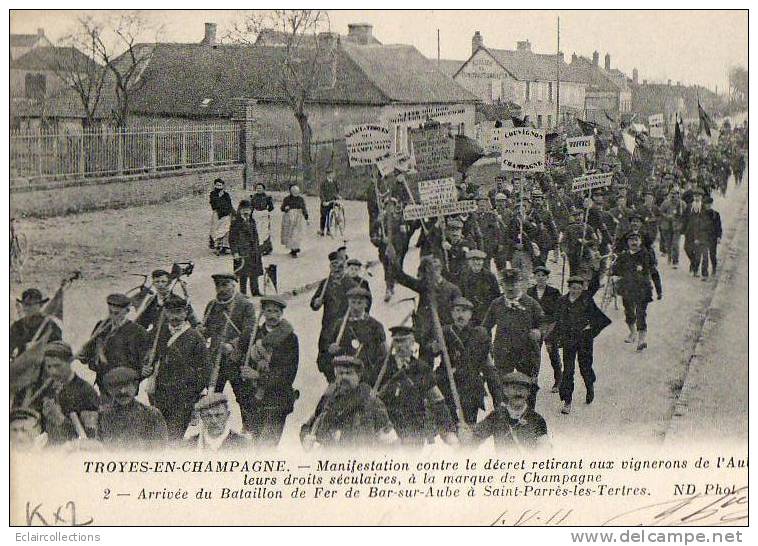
(484, 309)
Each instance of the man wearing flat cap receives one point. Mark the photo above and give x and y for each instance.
(547, 296)
(349, 414)
(578, 320)
(362, 336)
(181, 368)
(125, 423)
(115, 342)
(269, 372)
(149, 313)
(671, 210)
(469, 348)
(354, 266)
(245, 246)
(30, 325)
(702, 234)
(478, 284)
(514, 426)
(410, 393)
(455, 247)
(215, 434)
(226, 319)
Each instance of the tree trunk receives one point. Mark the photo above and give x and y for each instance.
(305, 139)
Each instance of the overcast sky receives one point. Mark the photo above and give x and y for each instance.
(686, 46)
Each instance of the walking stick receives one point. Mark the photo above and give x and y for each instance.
(28, 400)
(80, 432)
(217, 362)
(563, 272)
(446, 357)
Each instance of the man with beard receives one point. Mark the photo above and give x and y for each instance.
(126, 423)
(469, 349)
(30, 325)
(149, 316)
(513, 425)
(348, 415)
(226, 318)
(65, 393)
(359, 335)
(577, 322)
(413, 400)
(637, 271)
(181, 370)
(516, 318)
(215, 434)
(243, 240)
(274, 357)
(116, 342)
(478, 285)
(548, 296)
(331, 294)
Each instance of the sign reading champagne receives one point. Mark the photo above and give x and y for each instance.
(580, 145)
(367, 144)
(433, 151)
(523, 150)
(656, 125)
(589, 182)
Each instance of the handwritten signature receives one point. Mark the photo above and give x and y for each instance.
(63, 515)
(700, 510)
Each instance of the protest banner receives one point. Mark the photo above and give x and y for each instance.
(523, 150)
(429, 210)
(580, 145)
(367, 144)
(590, 182)
(433, 151)
(438, 191)
(655, 122)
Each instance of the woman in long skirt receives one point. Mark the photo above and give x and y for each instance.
(295, 215)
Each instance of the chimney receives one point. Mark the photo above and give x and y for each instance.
(476, 42)
(41, 32)
(595, 58)
(327, 39)
(573, 57)
(523, 45)
(669, 82)
(635, 76)
(210, 35)
(560, 57)
(360, 33)
(644, 82)
(607, 61)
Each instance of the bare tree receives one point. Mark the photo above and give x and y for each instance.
(309, 57)
(738, 84)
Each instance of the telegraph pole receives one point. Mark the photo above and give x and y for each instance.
(558, 77)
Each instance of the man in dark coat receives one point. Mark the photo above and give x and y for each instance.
(469, 348)
(638, 272)
(149, 313)
(65, 394)
(516, 318)
(410, 393)
(548, 296)
(126, 423)
(578, 321)
(513, 425)
(30, 325)
(115, 342)
(329, 193)
(715, 234)
(359, 334)
(270, 371)
(455, 247)
(180, 370)
(478, 285)
(226, 318)
(243, 240)
(331, 294)
(349, 415)
(215, 434)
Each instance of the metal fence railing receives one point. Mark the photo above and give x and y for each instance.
(41, 155)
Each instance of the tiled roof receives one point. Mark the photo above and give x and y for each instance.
(23, 40)
(65, 104)
(198, 80)
(529, 66)
(404, 75)
(450, 67)
(591, 74)
(49, 58)
(269, 36)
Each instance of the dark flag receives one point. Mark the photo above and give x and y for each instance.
(588, 128)
(271, 275)
(678, 138)
(518, 122)
(467, 152)
(705, 121)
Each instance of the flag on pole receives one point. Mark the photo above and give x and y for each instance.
(678, 137)
(705, 121)
(53, 309)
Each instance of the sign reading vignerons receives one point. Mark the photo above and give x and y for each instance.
(523, 150)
